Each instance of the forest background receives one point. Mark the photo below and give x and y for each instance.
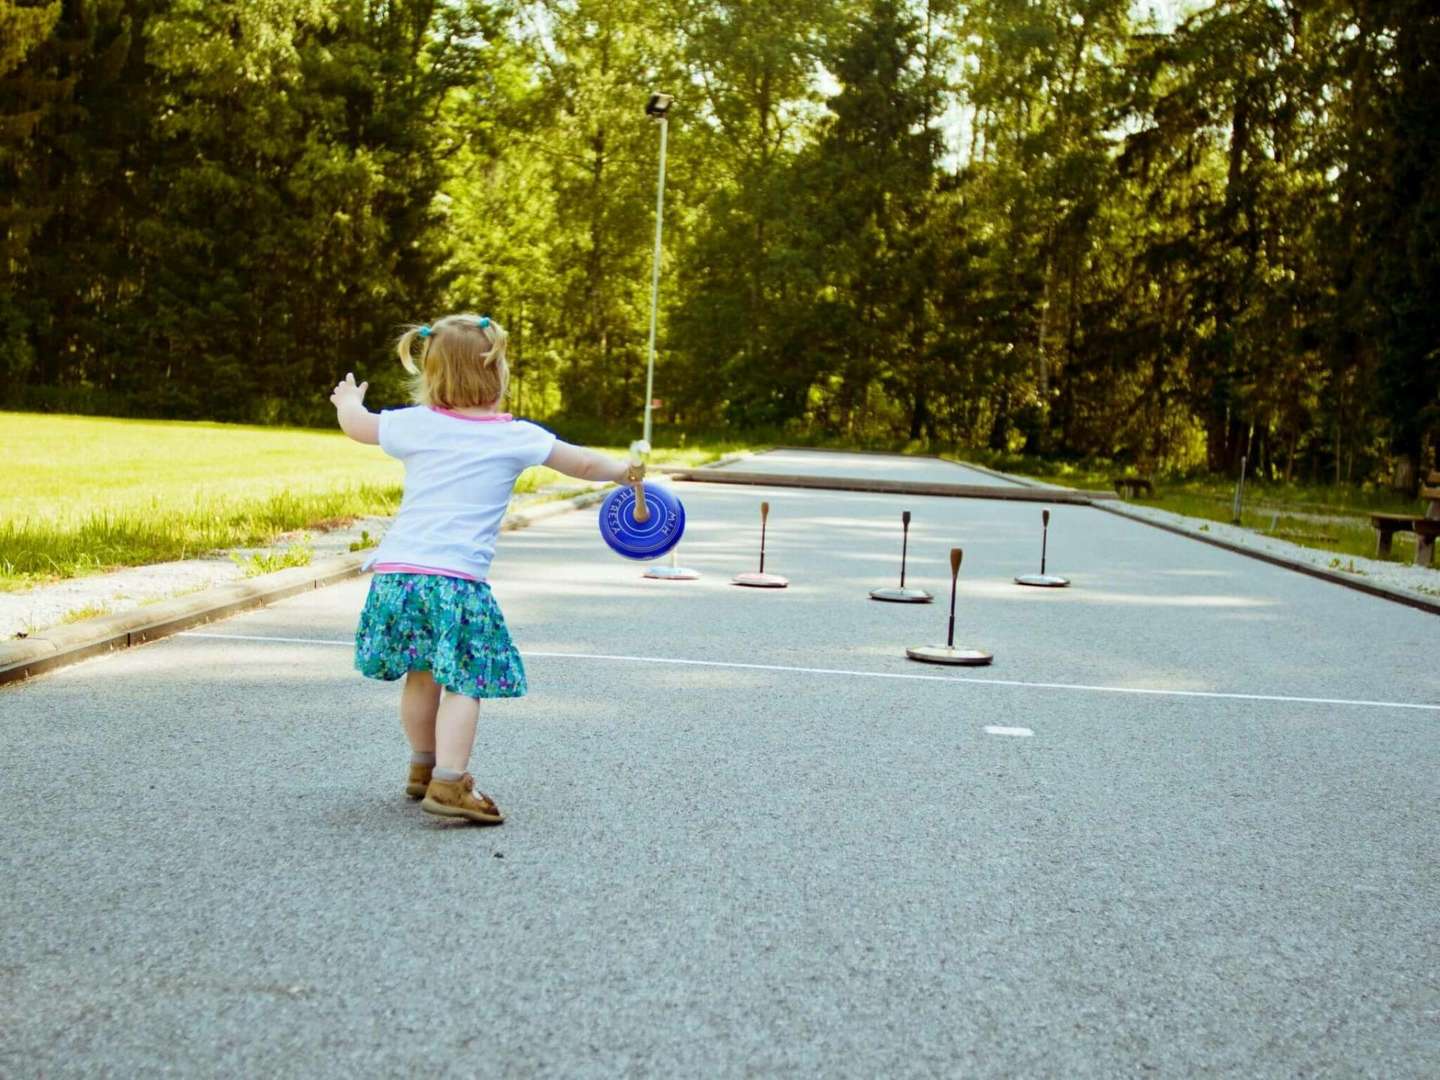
(1067, 227)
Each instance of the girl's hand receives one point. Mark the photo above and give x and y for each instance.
(355, 420)
(347, 391)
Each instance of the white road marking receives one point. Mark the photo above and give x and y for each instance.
(1083, 687)
(1022, 732)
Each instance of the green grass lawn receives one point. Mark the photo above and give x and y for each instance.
(1325, 517)
(86, 494)
(1299, 516)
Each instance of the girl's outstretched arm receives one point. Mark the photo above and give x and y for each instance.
(585, 464)
(355, 420)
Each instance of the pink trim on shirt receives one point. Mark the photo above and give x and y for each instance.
(429, 571)
(493, 418)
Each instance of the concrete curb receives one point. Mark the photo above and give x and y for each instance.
(719, 463)
(60, 646)
(1068, 496)
(1370, 588)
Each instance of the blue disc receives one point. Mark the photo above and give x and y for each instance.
(642, 540)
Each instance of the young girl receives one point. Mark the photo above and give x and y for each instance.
(430, 616)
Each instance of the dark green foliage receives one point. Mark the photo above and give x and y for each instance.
(30, 91)
(236, 202)
(1026, 225)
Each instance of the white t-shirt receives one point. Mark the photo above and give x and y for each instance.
(459, 474)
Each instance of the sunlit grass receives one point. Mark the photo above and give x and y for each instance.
(1327, 528)
(89, 611)
(85, 494)
(1325, 517)
(269, 561)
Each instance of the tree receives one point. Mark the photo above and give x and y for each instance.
(877, 155)
(1392, 212)
(27, 92)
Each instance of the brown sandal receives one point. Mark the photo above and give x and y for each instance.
(458, 798)
(419, 780)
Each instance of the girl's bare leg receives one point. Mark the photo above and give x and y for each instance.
(455, 731)
(418, 702)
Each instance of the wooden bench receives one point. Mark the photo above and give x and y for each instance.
(1386, 526)
(1127, 487)
(1426, 528)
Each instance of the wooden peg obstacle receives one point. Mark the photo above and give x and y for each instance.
(948, 653)
(1042, 579)
(761, 580)
(902, 595)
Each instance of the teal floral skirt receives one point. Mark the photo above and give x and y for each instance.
(447, 626)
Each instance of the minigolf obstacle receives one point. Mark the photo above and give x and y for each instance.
(948, 653)
(671, 571)
(902, 595)
(1042, 579)
(761, 580)
(641, 522)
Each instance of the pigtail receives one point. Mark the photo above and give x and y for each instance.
(405, 347)
(499, 340)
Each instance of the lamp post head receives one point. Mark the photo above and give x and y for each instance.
(658, 106)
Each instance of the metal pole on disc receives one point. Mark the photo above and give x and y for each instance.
(658, 108)
(655, 276)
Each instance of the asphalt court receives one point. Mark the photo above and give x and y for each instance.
(833, 860)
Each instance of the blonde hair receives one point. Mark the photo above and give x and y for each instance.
(461, 363)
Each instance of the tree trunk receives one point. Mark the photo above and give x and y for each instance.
(920, 418)
(1404, 479)
(1000, 426)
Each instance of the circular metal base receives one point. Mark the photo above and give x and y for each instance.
(672, 573)
(947, 654)
(760, 581)
(1044, 581)
(902, 596)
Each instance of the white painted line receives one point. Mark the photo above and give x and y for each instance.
(1142, 690)
(263, 637)
(1021, 732)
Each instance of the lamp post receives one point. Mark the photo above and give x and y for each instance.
(657, 108)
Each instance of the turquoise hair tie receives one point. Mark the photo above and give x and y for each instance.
(424, 331)
(484, 322)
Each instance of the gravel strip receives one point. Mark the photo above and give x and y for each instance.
(1418, 581)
